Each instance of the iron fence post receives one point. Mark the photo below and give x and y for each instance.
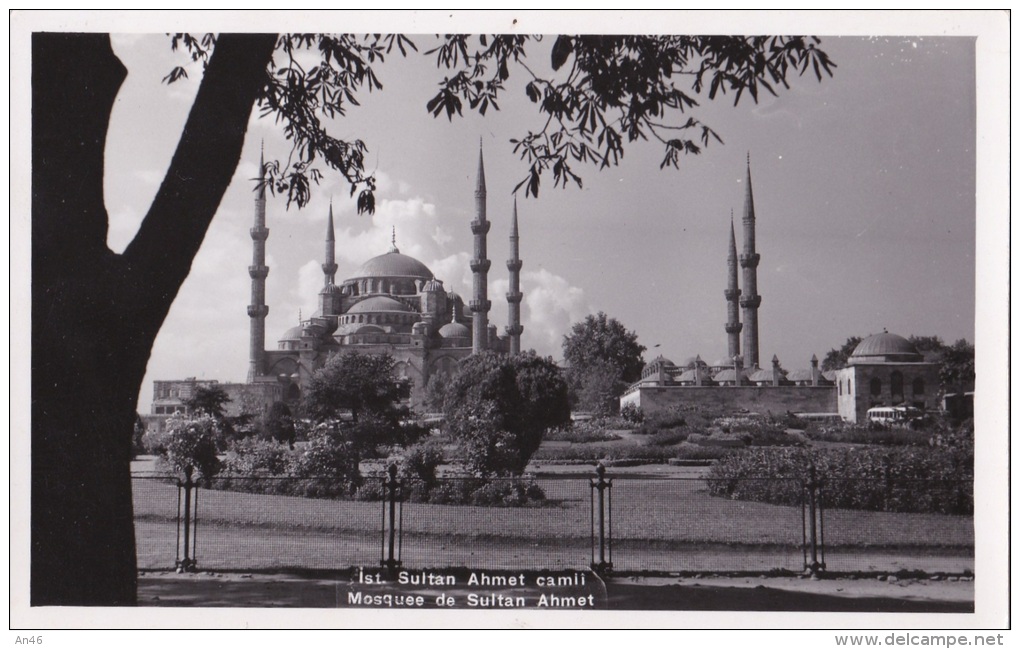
(391, 561)
(187, 564)
(601, 484)
(815, 567)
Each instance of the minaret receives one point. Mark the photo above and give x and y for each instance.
(329, 265)
(732, 294)
(514, 295)
(258, 270)
(750, 300)
(480, 303)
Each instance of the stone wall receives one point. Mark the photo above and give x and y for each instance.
(775, 399)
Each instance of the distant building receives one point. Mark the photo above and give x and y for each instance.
(170, 397)
(885, 370)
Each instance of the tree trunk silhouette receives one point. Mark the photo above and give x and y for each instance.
(95, 314)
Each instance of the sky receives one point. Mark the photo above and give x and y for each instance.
(864, 191)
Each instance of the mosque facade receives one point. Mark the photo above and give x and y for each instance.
(393, 304)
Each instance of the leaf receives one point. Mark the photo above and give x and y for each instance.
(561, 50)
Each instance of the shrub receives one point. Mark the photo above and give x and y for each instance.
(667, 437)
(580, 432)
(371, 489)
(696, 452)
(252, 456)
(137, 435)
(278, 424)
(599, 451)
(871, 433)
(187, 445)
(455, 491)
(331, 463)
(632, 414)
(499, 406)
(515, 492)
(418, 470)
(767, 431)
(936, 480)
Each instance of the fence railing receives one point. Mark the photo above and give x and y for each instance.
(611, 523)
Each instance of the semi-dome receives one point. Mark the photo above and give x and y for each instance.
(885, 348)
(766, 375)
(454, 330)
(800, 375)
(393, 264)
(331, 289)
(379, 303)
(432, 286)
(691, 375)
(294, 333)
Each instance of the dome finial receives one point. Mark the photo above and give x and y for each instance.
(299, 318)
(393, 239)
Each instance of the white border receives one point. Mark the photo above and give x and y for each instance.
(992, 291)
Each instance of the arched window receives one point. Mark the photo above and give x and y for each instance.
(919, 385)
(876, 387)
(849, 386)
(896, 385)
(841, 387)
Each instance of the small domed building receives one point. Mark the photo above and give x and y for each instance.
(885, 370)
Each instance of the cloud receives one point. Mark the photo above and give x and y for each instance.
(413, 219)
(310, 280)
(454, 272)
(551, 304)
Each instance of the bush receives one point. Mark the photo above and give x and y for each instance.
(871, 433)
(331, 463)
(767, 431)
(455, 491)
(278, 424)
(137, 435)
(499, 406)
(934, 480)
(595, 452)
(418, 470)
(667, 437)
(515, 492)
(632, 414)
(251, 457)
(371, 489)
(696, 452)
(188, 445)
(580, 432)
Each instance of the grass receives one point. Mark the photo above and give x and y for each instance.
(663, 509)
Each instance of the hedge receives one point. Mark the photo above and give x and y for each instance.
(908, 479)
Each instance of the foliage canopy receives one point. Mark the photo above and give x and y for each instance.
(597, 93)
(499, 406)
(358, 384)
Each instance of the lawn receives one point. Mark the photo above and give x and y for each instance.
(661, 524)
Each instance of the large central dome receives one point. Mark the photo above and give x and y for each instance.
(393, 264)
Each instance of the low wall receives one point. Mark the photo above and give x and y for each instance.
(775, 399)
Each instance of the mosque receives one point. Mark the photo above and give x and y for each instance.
(884, 370)
(393, 304)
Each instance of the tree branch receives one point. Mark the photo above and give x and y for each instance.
(203, 165)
